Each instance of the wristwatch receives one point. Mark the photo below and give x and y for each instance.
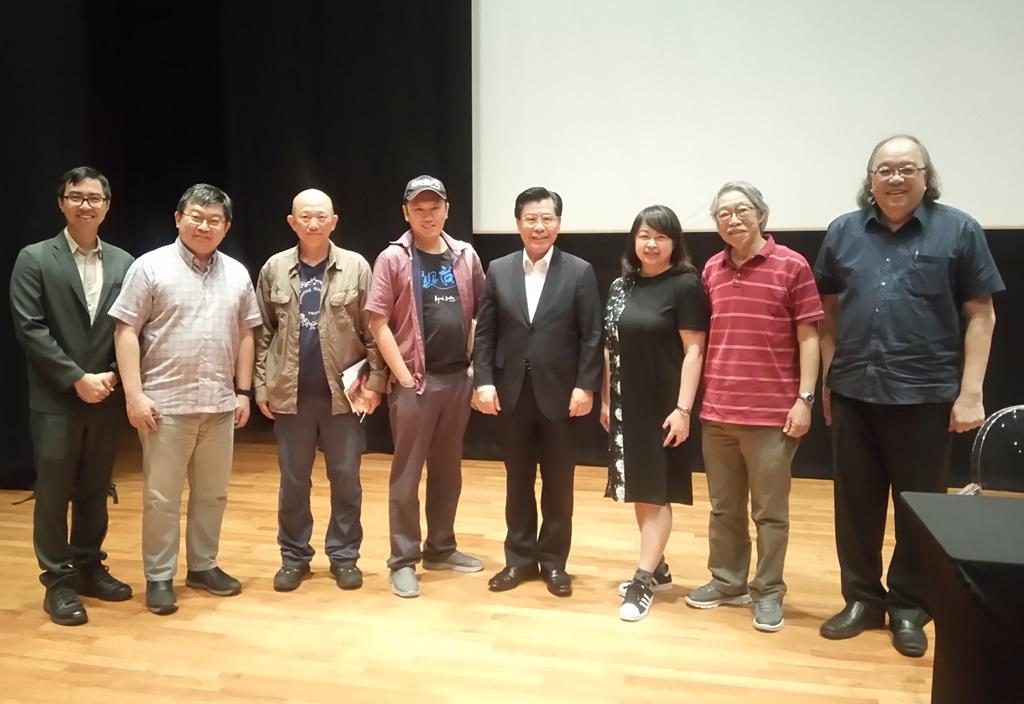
(807, 397)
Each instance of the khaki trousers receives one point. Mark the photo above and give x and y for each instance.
(197, 447)
(742, 461)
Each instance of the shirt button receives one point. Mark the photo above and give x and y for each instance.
(883, 283)
(876, 310)
(887, 259)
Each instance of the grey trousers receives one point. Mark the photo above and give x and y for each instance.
(741, 460)
(197, 447)
(428, 428)
(343, 441)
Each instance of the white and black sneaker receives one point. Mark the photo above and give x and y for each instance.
(636, 604)
(662, 580)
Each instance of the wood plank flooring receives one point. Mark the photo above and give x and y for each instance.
(457, 642)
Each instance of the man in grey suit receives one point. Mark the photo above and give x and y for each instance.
(61, 289)
(537, 362)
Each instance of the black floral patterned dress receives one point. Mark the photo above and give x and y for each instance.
(642, 322)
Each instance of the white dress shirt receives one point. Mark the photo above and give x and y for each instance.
(90, 270)
(535, 273)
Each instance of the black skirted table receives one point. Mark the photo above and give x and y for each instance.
(973, 554)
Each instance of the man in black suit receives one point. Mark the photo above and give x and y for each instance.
(61, 289)
(537, 362)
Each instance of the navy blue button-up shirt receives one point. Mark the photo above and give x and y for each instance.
(899, 329)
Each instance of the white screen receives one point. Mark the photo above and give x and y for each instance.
(617, 105)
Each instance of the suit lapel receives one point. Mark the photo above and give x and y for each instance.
(111, 269)
(66, 266)
(519, 286)
(547, 293)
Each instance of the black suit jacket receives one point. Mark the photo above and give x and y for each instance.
(562, 344)
(51, 321)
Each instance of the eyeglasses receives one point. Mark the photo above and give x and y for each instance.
(198, 219)
(545, 220)
(904, 170)
(93, 199)
(742, 212)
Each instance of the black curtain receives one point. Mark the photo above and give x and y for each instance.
(263, 100)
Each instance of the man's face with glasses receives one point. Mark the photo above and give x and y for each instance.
(898, 179)
(538, 227)
(83, 204)
(202, 228)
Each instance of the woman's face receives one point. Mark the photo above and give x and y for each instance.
(653, 249)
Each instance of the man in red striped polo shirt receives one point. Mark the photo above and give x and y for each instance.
(760, 370)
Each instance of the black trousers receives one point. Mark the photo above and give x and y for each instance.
(74, 459)
(877, 447)
(528, 438)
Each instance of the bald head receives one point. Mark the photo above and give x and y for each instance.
(312, 198)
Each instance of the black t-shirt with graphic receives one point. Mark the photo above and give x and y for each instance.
(444, 328)
(312, 377)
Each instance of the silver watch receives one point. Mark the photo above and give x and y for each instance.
(807, 397)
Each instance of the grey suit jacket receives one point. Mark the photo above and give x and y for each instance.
(51, 321)
(562, 342)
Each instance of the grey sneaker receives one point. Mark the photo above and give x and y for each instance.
(404, 582)
(709, 596)
(662, 580)
(768, 615)
(458, 561)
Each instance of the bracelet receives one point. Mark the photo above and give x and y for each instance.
(244, 392)
(684, 410)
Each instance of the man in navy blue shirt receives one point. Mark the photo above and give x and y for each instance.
(907, 286)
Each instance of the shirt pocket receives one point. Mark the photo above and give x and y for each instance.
(928, 275)
(280, 302)
(344, 304)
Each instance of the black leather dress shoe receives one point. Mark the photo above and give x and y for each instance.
(908, 637)
(511, 577)
(558, 581)
(63, 605)
(96, 581)
(854, 619)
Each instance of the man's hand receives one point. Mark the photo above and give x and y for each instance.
(242, 410)
(370, 400)
(264, 407)
(487, 400)
(968, 413)
(798, 421)
(677, 429)
(93, 388)
(580, 402)
(142, 412)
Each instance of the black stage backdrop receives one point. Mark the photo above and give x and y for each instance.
(266, 100)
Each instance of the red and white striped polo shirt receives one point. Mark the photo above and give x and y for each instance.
(752, 364)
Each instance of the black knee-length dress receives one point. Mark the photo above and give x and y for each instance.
(642, 322)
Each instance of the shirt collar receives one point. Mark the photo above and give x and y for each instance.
(191, 259)
(293, 258)
(541, 266)
(921, 214)
(764, 253)
(74, 246)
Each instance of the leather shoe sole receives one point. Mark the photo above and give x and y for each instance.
(511, 577)
(853, 620)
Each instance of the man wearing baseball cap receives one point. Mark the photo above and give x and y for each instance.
(422, 302)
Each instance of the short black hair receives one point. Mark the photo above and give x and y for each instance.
(79, 174)
(536, 194)
(664, 220)
(205, 194)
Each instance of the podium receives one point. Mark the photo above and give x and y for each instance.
(973, 561)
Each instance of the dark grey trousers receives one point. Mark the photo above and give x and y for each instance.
(428, 428)
(343, 440)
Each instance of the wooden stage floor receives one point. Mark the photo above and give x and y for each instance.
(455, 643)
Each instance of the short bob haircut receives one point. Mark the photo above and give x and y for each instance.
(664, 220)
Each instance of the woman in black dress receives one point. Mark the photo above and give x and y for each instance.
(655, 324)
